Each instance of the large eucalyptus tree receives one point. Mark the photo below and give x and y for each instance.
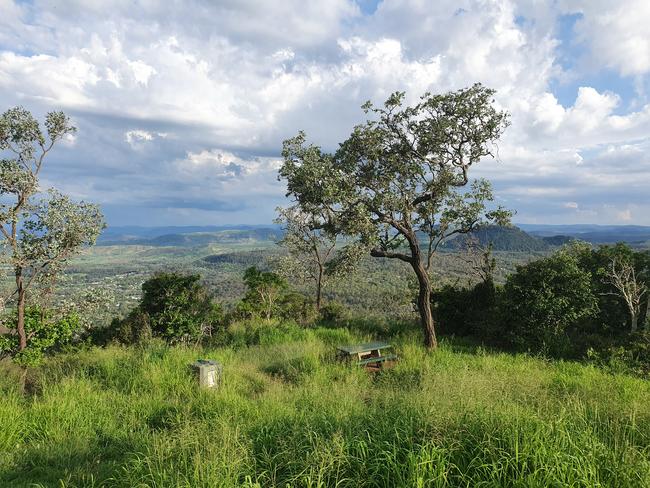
(395, 182)
(39, 230)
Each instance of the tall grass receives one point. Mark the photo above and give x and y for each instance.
(289, 415)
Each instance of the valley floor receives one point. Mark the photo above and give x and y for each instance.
(288, 414)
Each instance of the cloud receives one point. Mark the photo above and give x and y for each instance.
(625, 215)
(182, 104)
(617, 34)
(134, 136)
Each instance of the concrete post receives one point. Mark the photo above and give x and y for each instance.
(209, 372)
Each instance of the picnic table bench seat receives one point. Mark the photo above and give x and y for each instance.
(368, 355)
(377, 359)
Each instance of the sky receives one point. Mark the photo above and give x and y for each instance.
(182, 106)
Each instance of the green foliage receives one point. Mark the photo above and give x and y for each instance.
(546, 298)
(179, 307)
(134, 329)
(46, 333)
(38, 235)
(564, 305)
(630, 356)
(396, 180)
(285, 415)
(174, 307)
(296, 306)
(311, 241)
(405, 161)
(334, 313)
(471, 311)
(613, 316)
(265, 291)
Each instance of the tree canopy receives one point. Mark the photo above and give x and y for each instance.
(40, 230)
(394, 183)
(311, 242)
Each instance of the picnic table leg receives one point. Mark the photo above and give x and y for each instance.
(380, 364)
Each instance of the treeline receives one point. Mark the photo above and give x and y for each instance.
(180, 309)
(577, 303)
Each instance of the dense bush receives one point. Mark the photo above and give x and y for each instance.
(466, 311)
(174, 307)
(629, 355)
(296, 306)
(269, 296)
(544, 300)
(334, 313)
(613, 317)
(46, 331)
(265, 290)
(135, 328)
(179, 307)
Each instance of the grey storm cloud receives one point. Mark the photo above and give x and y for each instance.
(182, 106)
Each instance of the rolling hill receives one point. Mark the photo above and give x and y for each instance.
(190, 236)
(519, 238)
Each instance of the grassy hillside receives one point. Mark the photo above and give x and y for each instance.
(289, 415)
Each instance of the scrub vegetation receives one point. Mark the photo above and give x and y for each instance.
(288, 414)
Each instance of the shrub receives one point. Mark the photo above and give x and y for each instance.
(46, 332)
(134, 329)
(298, 307)
(544, 300)
(334, 313)
(179, 307)
(466, 311)
(613, 316)
(631, 356)
(174, 307)
(265, 292)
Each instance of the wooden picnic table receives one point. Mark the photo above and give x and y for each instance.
(368, 354)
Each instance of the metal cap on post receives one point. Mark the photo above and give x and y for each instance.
(209, 372)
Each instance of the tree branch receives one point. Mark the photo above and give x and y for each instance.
(380, 253)
(5, 232)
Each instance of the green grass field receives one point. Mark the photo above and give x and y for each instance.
(289, 415)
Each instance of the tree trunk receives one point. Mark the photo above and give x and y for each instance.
(319, 288)
(634, 318)
(22, 336)
(424, 305)
(421, 271)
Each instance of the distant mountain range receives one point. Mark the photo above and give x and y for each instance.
(524, 237)
(596, 234)
(188, 236)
